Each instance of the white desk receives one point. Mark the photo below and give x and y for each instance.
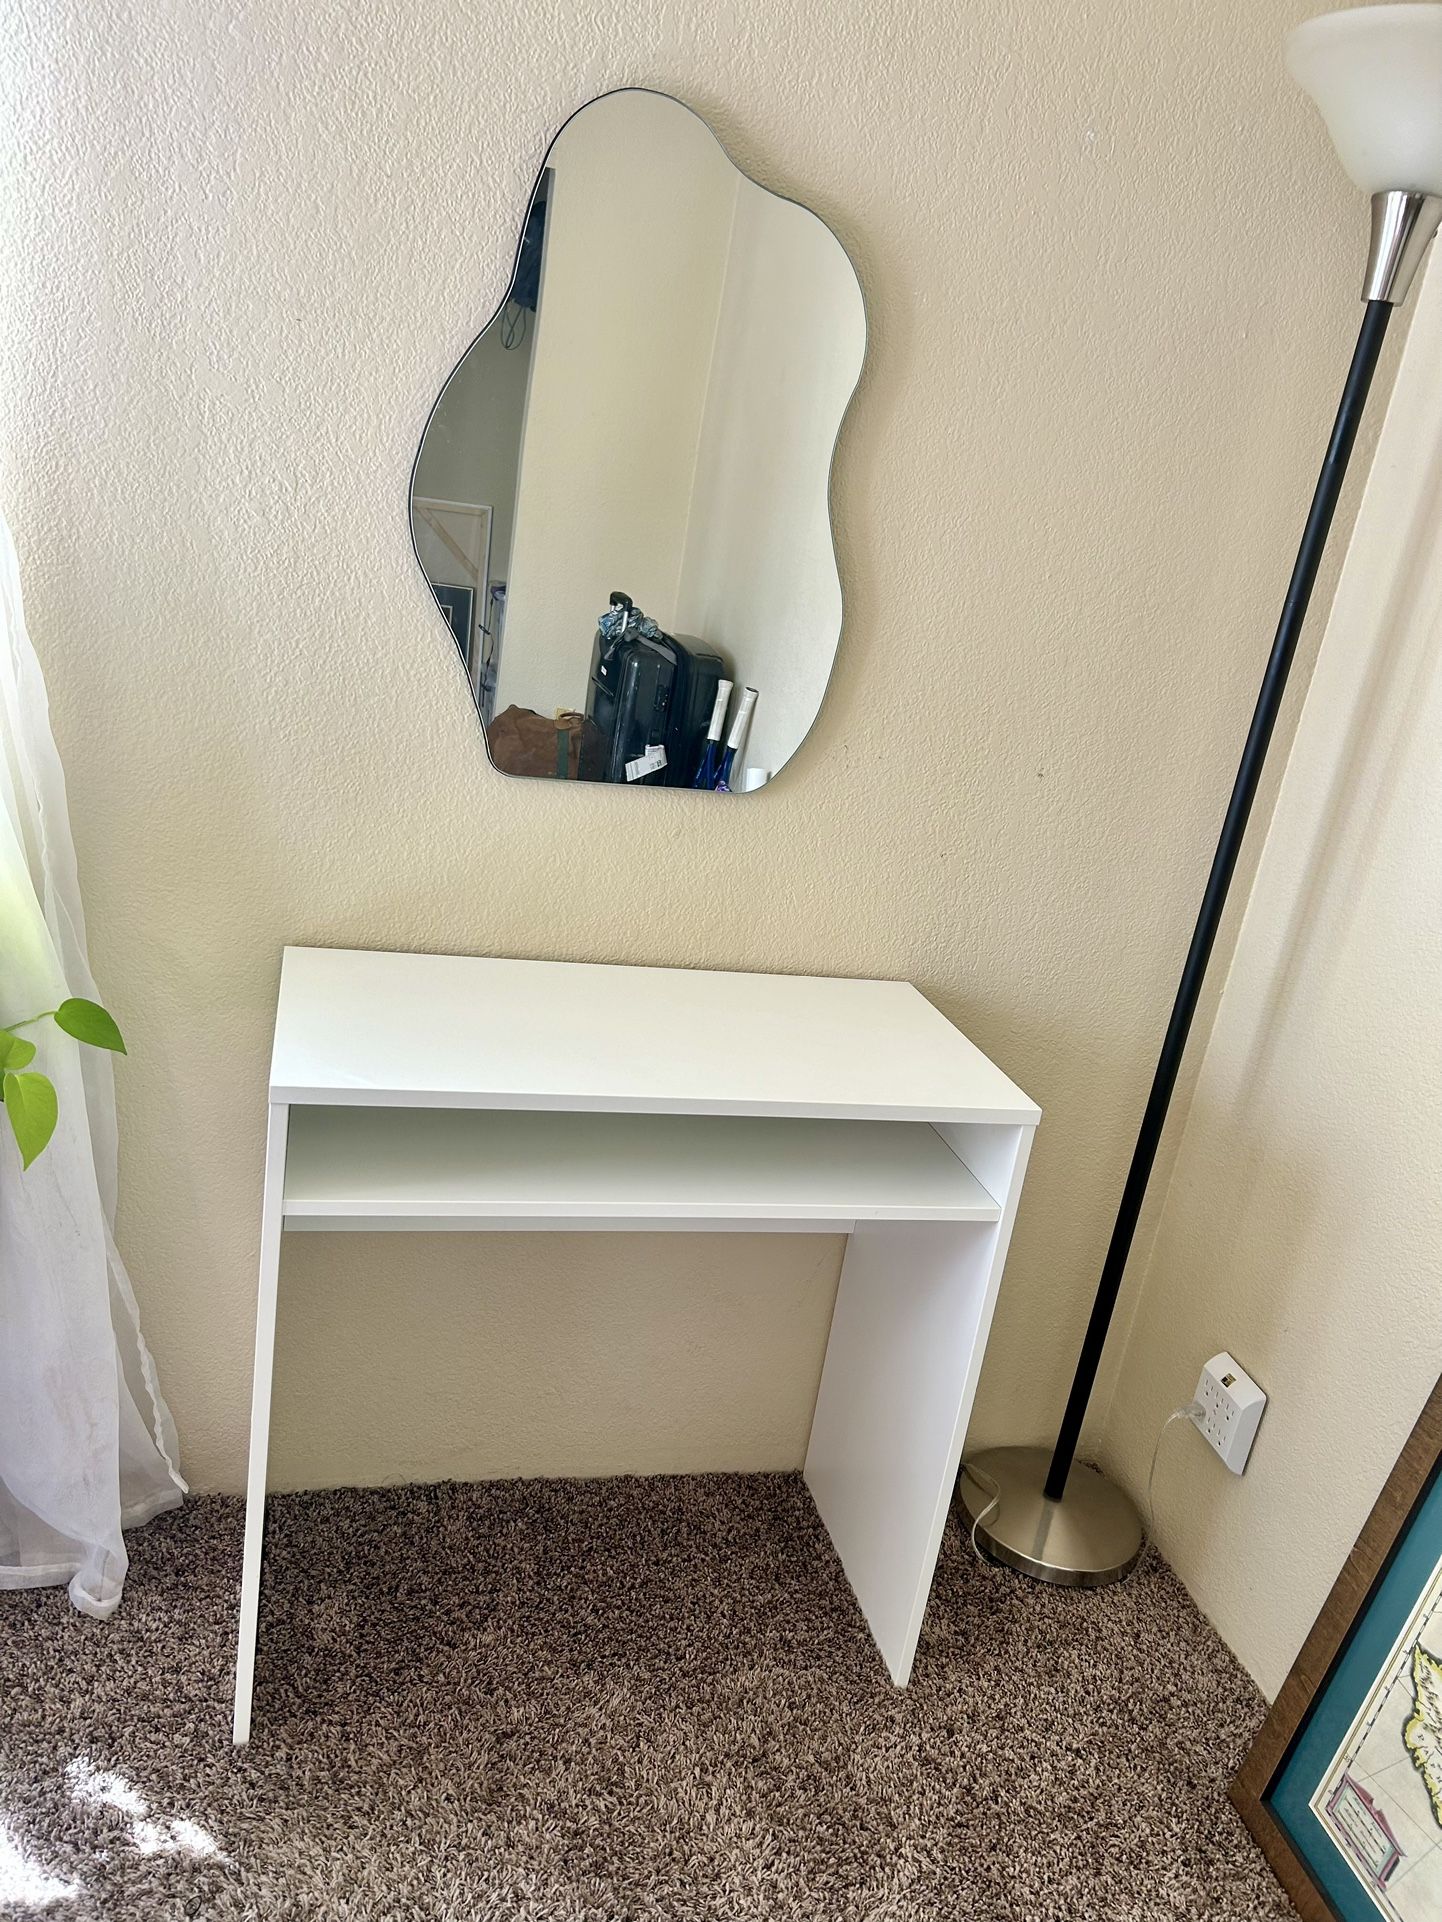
(424, 1092)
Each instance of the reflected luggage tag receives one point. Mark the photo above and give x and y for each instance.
(651, 762)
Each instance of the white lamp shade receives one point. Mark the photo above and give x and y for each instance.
(1376, 75)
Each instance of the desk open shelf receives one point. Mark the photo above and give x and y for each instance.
(417, 1168)
(423, 1092)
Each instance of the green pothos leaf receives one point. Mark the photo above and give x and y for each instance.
(90, 1023)
(31, 1105)
(15, 1050)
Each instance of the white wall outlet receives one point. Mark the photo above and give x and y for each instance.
(1231, 1405)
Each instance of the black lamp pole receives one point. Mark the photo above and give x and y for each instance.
(1034, 1509)
(1224, 862)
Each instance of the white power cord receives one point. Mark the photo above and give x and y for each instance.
(983, 1482)
(1189, 1411)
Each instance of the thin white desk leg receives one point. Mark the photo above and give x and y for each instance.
(270, 1226)
(913, 1311)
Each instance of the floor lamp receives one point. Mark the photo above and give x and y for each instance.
(1376, 75)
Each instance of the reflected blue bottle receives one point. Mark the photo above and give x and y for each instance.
(709, 767)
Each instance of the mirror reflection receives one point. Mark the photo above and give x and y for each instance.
(621, 498)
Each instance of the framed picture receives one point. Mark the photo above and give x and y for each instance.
(1343, 1786)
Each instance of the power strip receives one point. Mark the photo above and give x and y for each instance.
(1229, 1405)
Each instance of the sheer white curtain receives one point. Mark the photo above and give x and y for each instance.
(87, 1446)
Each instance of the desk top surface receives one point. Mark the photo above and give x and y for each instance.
(425, 1030)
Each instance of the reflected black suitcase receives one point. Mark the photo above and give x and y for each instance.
(650, 698)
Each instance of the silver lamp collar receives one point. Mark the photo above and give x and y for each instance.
(1402, 224)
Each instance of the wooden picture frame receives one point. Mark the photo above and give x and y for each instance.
(1414, 1480)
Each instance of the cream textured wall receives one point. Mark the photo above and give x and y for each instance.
(1305, 1212)
(1109, 268)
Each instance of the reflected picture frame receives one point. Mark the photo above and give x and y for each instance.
(458, 608)
(1342, 1787)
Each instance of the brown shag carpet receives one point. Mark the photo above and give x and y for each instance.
(609, 1700)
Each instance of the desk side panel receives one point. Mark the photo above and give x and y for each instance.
(913, 1312)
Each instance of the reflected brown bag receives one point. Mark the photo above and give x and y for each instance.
(524, 742)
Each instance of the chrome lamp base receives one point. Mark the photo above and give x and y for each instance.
(1091, 1537)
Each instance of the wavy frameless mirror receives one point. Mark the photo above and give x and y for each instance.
(621, 496)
